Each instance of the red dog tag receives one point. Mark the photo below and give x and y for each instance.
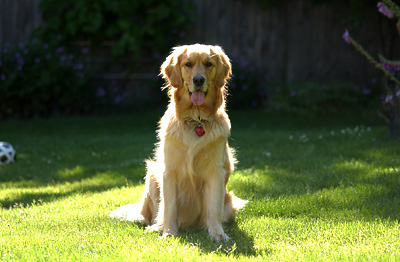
(199, 130)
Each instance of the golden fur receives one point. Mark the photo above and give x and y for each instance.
(186, 180)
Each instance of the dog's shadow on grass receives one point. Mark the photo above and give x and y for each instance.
(240, 242)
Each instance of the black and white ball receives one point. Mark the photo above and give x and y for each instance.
(7, 153)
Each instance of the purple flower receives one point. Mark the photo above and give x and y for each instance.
(80, 74)
(85, 50)
(367, 91)
(45, 45)
(373, 80)
(21, 63)
(37, 60)
(384, 10)
(245, 87)
(243, 63)
(2, 77)
(1, 63)
(346, 37)
(60, 49)
(292, 93)
(100, 92)
(392, 66)
(386, 65)
(118, 100)
(115, 89)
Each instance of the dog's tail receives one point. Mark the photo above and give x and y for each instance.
(130, 212)
(232, 205)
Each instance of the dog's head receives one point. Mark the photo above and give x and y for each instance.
(197, 74)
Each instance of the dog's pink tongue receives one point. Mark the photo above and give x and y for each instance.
(198, 97)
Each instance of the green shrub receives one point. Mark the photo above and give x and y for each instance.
(41, 78)
(132, 27)
(248, 87)
(330, 96)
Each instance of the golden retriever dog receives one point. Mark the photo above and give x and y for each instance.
(186, 181)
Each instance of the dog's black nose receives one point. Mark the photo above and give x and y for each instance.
(198, 81)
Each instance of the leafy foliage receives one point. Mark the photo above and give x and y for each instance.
(131, 26)
(41, 78)
(248, 86)
(391, 69)
(330, 96)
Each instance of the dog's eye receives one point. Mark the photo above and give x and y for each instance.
(188, 64)
(208, 64)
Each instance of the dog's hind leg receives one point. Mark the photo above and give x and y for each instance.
(144, 211)
(231, 206)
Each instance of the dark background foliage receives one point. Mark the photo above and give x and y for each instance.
(132, 27)
(103, 56)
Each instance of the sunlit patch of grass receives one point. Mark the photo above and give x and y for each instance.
(318, 189)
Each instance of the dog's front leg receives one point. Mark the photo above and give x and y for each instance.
(169, 206)
(214, 196)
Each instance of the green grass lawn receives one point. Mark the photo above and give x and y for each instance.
(319, 188)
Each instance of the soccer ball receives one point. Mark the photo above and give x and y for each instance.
(7, 153)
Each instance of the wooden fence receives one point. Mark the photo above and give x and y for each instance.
(295, 41)
(18, 18)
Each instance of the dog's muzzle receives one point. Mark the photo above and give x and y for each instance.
(198, 82)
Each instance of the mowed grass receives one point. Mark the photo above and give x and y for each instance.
(319, 188)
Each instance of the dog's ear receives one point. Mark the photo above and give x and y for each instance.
(224, 68)
(170, 69)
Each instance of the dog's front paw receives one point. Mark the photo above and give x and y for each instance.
(169, 232)
(156, 228)
(220, 237)
(217, 233)
(167, 235)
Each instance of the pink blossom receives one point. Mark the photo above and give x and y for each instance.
(346, 37)
(384, 10)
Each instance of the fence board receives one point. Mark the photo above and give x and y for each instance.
(18, 18)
